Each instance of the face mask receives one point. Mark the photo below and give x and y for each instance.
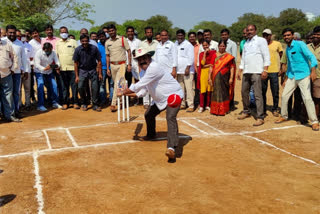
(23, 39)
(64, 35)
(48, 53)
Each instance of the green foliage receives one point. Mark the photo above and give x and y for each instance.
(316, 22)
(248, 18)
(160, 23)
(31, 13)
(213, 26)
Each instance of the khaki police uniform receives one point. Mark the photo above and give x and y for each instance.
(117, 49)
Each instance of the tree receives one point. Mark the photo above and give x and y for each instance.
(30, 13)
(160, 23)
(316, 22)
(295, 19)
(213, 26)
(248, 18)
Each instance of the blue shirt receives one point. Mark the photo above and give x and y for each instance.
(299, 57)
(102, 50)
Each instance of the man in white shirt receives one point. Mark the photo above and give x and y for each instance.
(160, 84)
(35, 42)
(185, 69)
(207, 35)
(22, 70)
(231, 45)
(134, 44)
(166, 54)
(21, 35)
(148, 44)
(254, 66)
(45, 61)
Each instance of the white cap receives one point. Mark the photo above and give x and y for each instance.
(200, 31)
(141, 51)
(267, 31)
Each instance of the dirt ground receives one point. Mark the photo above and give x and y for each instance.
(85, 162)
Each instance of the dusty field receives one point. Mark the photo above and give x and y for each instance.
(65, 162)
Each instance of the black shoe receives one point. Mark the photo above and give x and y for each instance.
(147, 138)
(4, 199)
(96, 108)
(14, 119)
(171, 160)
(28, 108)
(18, 115)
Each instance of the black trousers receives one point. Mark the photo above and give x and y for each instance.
(172, 124)
(68, 80)
(128, 77)
(82, 88)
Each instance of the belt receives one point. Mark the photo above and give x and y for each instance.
(118, 63)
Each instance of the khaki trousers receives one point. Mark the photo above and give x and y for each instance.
(186, 85)
(117, 71)
(305, 88)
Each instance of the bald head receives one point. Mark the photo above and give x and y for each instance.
(84, 31)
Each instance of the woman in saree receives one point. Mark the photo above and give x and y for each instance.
(206, 61)
(222, 79)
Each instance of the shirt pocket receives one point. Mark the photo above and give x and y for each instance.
(69, 50)
(165, 51)
(296, 57)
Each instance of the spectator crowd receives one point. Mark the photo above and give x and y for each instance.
(64, 73)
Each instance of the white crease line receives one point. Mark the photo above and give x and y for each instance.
(214, 128)
(17, 154)
(195, 127)
(38, 185)
(93, 125)
(282, 150)
(47, 139)
(45, 151)
(73, 141)
(265, 130)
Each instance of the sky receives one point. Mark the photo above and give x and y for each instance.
(187, 13)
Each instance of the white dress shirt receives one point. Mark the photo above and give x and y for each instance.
(18, 48)
(28, 51)
(134, 44)
(213, 46)
(255, 56)
(185, 56)
(232, 48)
(41, 60)
(166, 55)
(159, 83)
(35, 47)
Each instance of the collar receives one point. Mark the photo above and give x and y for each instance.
(53, 38)
(253, 38)
(161, 43)
(153, 41)
(67, 40)
(82, 48)
(293, 43)
(117, 37)
(314, 47)
(180, 43)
